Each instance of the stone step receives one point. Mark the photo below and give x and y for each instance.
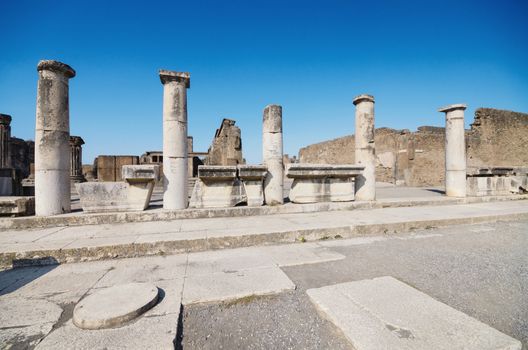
(101, 242)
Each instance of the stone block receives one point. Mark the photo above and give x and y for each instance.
(17, 206)
(322, 182)
(496, 181)
(217, 186)
(252, 177)
(132, 195)
(384, 313)
(144, 172)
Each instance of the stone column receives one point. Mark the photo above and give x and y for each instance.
(52, 139)
(272, 153)
(76, 174)
(455, 150)
(175, 154)
(365, 148)
(5, 135)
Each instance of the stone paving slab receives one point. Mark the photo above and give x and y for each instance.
(39, 301)
(85, 243)
(384, 313)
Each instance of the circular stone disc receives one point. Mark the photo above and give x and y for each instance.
(112, 307)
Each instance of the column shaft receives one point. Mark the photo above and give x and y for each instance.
(175, 153)
(52, 139)
(5, 136)
(365, 152)
(272, 154)
(455, 151)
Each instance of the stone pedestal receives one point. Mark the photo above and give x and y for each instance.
(133, 194)
(175, 154)
(52, 139)
(217, 186)
(17, 206)
(272, 154)
(252, 177)
(496, 181)
(455, 150)
(5, 136)
(365, 148)
(76, 174)
(314, 183)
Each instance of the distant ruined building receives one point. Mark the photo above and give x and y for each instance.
(226, 148)
(496, 138)
(17, 158)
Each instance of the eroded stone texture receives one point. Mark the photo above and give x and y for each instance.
(417, 158)
(5, 138)
(365, 150)
(217, 186)
(322, 182)
(52, 139)
(114, 306)
(131, 195)
(252, 177)
(226, 148)
(496, 181)
(272, 154)
(175, 153)
(455, 150)
(17, 206)
(76, 174)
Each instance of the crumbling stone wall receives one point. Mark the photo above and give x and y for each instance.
(226, 148)
(108, 168)
(22, 155)
(496, 138)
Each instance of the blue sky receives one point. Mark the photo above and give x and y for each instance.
(311, 57)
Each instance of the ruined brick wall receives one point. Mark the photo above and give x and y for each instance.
(496, 138)
(108, 168)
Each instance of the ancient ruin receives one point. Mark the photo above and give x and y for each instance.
(497, 138)
(131, 194)
(76, 174)
(226, 147)
(52, 139)
(272, 155)
(365, 149)
(175, 175)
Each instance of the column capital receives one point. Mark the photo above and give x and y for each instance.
(5, 119)
(76, 141)
(363, 98)
(57, 67)
(453, 107)
(168, 76)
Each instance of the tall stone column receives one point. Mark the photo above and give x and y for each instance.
(52, 139)
(455, 150)
(272, 153)
(365, 148)
(175, 153)
(5, 135)
(76, 174)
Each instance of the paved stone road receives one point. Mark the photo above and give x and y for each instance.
(481, 270)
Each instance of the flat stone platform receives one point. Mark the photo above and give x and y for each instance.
(384, 313)
(109, 241)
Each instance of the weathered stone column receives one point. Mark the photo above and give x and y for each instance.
(455, 150)
(175, 154)
(52, 139)
(272, 153)
(5, 135)
(365, 148)
(76, 174)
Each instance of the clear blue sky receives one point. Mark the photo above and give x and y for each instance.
(312, 57)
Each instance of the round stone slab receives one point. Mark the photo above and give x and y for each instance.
(112, 307)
